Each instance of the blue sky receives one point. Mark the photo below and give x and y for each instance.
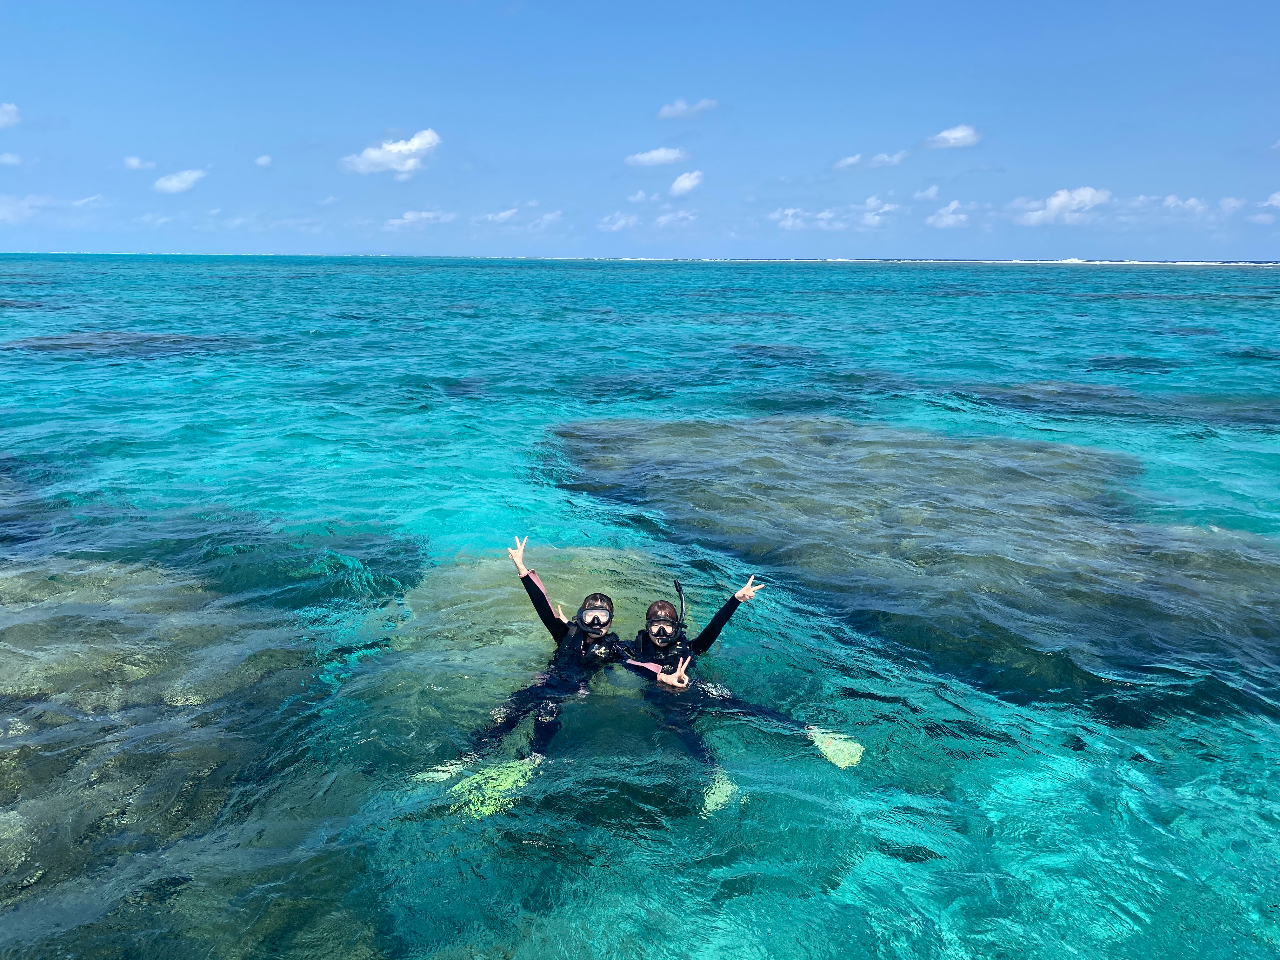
(1140, 131)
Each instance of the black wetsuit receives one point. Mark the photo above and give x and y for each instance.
(645, 650)
(679, 709)
(578, 657)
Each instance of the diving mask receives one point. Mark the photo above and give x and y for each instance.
(595, 618)
(661, 630)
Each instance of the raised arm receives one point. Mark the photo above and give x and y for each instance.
(703, 641)
(556, 626)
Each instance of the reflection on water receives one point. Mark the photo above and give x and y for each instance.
(1019, 525)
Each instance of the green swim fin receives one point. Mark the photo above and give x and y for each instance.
(843, 751)
(718, 793)
(493, 790)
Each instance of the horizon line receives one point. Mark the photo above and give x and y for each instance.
(434, 256)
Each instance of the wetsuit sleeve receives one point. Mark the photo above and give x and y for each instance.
(703, 641)
(638, 659)
(649, 670)
(538, 594)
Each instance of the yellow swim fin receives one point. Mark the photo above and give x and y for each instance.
(843, 751)
(719, 792)
(493, 790)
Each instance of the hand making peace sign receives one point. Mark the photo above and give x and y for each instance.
(749, 591)
(516, 554)
(679, 679)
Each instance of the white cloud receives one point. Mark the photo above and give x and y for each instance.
(1264, 217)
(16, 209)
(680, 110)
(948, 216)
(873, 213)
(640, 197)
(617, 221)
(1276, 145)
(137, 163)
(930, 194)
(686, 182)
(401, 156)
(887, 160)
(655, 157)
(1172, 209)
(9, 160)
(789, 218)
(153, 219)
(1190, 205)
(9, 115)
(327, 200)
(860, 216)
(502, 216)
(677, 217)
(545, 220)
(178, 182)
(263, 161)
(961, 136)
(418, 218)
(847, 162)
(1065, 206)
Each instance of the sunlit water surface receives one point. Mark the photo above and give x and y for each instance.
(1020, 529)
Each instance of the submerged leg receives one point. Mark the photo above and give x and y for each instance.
(542, 700)
(678, 715)
(716, 698)
(493, 789)
(546, 724)
(839, 749)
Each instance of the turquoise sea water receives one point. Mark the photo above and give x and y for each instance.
(1021, 526)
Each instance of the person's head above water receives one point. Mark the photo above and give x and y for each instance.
(662, 622)
(595, 614)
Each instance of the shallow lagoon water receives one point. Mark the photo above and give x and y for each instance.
(1020, 524)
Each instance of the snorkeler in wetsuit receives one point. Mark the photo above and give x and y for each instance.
(664, 651)
(583, 646)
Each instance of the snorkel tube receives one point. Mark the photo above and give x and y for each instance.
(680, 625)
